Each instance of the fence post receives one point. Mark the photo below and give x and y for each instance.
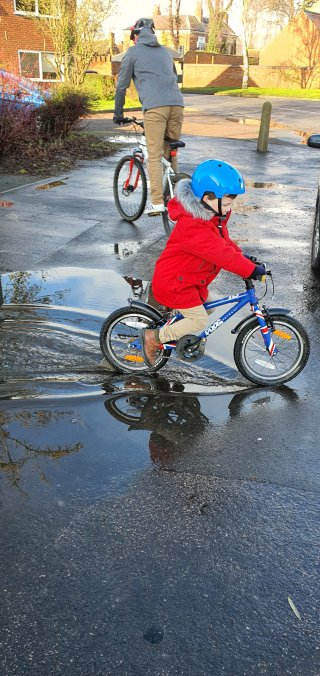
(263, 139)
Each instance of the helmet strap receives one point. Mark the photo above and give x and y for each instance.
(208, 207)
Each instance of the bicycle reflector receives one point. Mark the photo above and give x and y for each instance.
(134, 357)
(282, 334)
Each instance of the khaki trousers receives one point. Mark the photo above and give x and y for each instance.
(158, 123)
(194, 321)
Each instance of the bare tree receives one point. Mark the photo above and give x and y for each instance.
(174, 21)
(218, 16)
(73, 27)
(282, 10)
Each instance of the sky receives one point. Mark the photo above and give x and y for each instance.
(127, 13)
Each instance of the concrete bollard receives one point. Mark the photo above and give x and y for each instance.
(263, 139)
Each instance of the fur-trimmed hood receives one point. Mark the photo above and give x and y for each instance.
(190, 204)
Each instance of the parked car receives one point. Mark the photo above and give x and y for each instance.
(17, 92)
(314, 142)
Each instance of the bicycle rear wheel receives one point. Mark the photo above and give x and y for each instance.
(118, 337)
(130, 188)
(167, 223)
(255, 363)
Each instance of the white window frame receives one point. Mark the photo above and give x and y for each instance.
(39, 52)
(22, 12)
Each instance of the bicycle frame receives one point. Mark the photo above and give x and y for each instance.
(168, 172)
(141, 153)
(239, 301)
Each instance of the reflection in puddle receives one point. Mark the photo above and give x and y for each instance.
(90, 440)
(23, 438)
(5, 204)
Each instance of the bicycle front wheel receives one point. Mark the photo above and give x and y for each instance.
(254, 362)
(118, 336)
(130, 188)
(167, 223)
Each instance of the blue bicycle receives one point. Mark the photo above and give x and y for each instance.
(271, 347)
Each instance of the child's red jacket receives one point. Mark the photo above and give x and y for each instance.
(196, 251)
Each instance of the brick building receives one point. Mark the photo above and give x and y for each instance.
(23, 48)
(193, 31)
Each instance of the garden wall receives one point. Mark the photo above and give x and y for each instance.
(224, 75)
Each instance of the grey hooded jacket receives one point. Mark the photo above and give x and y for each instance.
(152, 70)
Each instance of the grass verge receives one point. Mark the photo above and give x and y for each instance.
(256, 91)
(101, 105)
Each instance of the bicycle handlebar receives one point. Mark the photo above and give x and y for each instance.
(133, 120)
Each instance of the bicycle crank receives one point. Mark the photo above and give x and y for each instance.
(190, 348)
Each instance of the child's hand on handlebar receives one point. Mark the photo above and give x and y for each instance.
(259, 273)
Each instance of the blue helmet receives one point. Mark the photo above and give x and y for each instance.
(218, 177)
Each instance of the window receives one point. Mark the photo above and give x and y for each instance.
(37, 65)
(201, 42)
(37, 7)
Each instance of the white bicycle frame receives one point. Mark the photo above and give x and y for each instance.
(167, 173)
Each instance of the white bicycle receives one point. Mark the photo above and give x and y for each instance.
(130, 180)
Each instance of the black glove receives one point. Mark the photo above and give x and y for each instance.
(258, 272)
(118, 119)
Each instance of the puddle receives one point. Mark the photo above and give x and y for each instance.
(91, 449)
(265, 184)
(52, 184)
(50, 323)
(73, 432)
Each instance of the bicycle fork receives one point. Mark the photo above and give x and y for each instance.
(127, 182)
(265, 331)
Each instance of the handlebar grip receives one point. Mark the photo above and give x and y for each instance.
(263, 278)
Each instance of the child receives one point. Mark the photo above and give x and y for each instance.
(197, 249)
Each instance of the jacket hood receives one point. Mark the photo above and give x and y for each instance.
(187, 203)
(148, 38)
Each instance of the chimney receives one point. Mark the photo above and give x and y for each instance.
(198, 12)
(156, 10)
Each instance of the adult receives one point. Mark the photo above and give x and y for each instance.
(153, 72)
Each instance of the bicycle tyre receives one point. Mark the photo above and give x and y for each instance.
(123, 413)
(137, 210)
(253, 361)
(167, 223)
(108, 342)
(315, 246)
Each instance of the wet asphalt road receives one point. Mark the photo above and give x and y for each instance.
(153, 526)
(297, 113)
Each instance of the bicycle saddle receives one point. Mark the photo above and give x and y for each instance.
(174, 144)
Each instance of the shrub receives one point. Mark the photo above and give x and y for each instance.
(18, 126)
(61, 113)
(98, 87)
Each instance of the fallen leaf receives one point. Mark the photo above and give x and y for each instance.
(5, 204)
(293, 607)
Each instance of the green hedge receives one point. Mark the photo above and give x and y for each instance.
(99, 87)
